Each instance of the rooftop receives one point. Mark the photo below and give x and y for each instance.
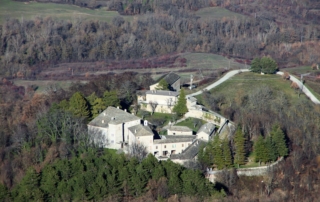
(180, 128)
(112, 115)
(207, 128)
(170, 78)
(163, 92)
(174, 139)
(140, 130)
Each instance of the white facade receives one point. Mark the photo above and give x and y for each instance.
(162, 101)
(166, 147)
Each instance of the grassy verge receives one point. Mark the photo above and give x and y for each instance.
(32, 9)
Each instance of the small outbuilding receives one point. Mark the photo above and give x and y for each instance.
(179, 130)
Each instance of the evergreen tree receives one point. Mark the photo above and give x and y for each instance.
(110, 98)
(271, 149)
(265, 65)
(97, 107)
(28, 189)
(49, 181)
(240, 152)
(269, 66)
(260, 149)
(279, 140)
(218, 153)
(255, 65)
(3, 193)
(162, 85)
(188, 178)
(227, 157)
(78, 105)
(181, 107)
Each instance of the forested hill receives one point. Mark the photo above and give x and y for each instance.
(30, 46)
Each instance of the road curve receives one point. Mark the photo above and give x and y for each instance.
(305, 90)
(220, 81)
(230, 74)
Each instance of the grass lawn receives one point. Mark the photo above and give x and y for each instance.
(29, 10)
(189, 122)
(217, 13)
(42, 84)
(244, 82)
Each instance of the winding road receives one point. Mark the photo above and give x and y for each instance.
(230, 74)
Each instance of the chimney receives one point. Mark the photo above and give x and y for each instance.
(113, 118)
(125, 110)
(135, 130)
(104, 114)
(117, 107)
(102, 121)
(145, 123)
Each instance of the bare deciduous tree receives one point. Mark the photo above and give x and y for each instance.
(138, 150)
(153, 105)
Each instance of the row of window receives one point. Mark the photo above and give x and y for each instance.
(173, 146)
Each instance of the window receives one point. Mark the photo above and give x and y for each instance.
(156, 147)
(112, 141)
(182, 145)
(165, 146)
(173, 146)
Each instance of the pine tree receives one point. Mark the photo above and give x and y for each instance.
(97, 107)
(78, 105)
(3, 193)
(279, 140)
(110, 98)
(181, 107)
(217, 152)
(49, 181)
(227, 157)
(261, 152)
(28, 189)
(255, 65)
(272, 152)
(240, 152)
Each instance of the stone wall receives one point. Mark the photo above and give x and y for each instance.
(211, 175)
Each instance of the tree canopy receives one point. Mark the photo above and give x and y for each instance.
(181, 107)
(162, 85)
(264, 65)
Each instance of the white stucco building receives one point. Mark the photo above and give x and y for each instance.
(111, 127)
(206, 131)
(162, 101)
